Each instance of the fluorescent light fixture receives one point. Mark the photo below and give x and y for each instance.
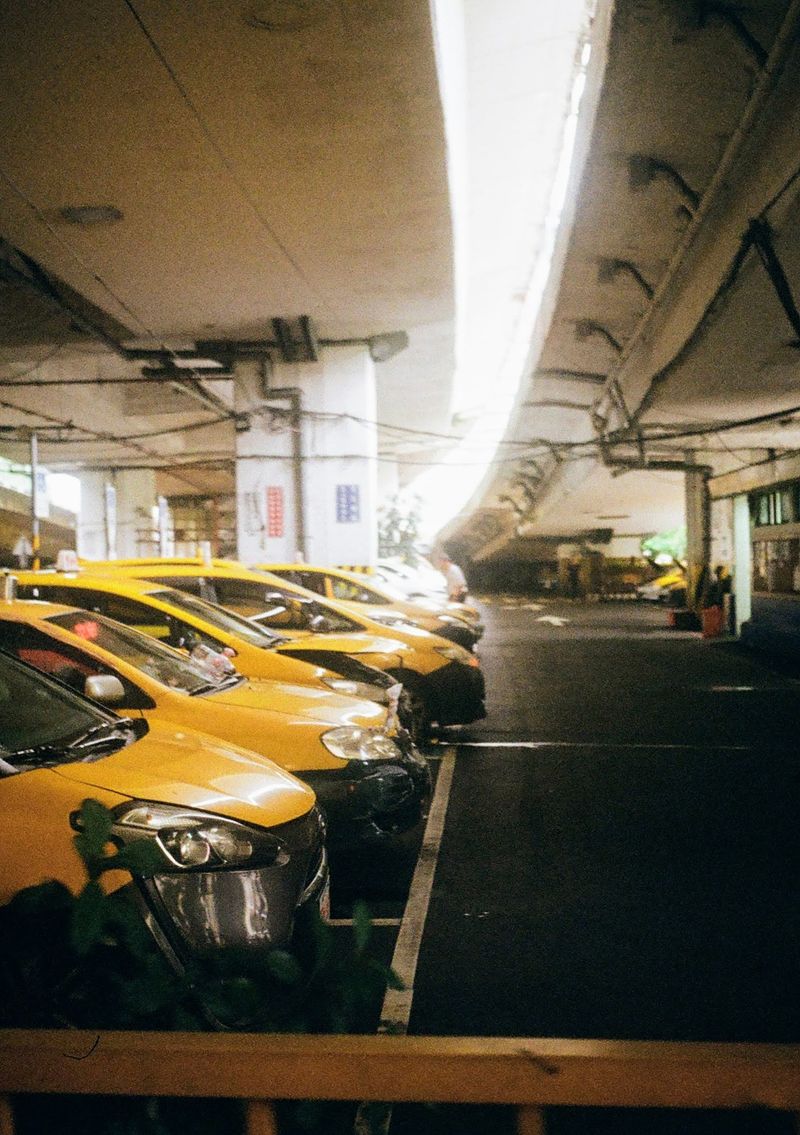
(88, 215)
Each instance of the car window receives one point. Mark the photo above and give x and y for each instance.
(351, 592)
(37, 712)
(289, 575)
(311, 580)
(128, 611)
(306, 613)
(69, 664)
(287, 612)
(167, 666)
(193, 585)
(248, 598)
(217, 617)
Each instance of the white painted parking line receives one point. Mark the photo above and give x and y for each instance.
(397, 1002)
(374, 921)
(597, 745)
(374, 1119)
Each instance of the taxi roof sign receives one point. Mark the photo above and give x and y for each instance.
(67, 560)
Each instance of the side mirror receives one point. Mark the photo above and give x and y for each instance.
(105, 688)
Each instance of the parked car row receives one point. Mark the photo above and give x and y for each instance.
(235, 719)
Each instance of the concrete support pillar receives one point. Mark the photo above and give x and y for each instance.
(92, 530)
(306, 479)
(117, 518)
(137, 525)
(698, 533)
(742, 561)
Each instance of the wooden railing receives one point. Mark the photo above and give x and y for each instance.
(528, 1074)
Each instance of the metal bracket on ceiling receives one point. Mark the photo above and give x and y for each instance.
(609, 268)
(297, 339)
(518, 509)
(727, 14)
(585, 328)
(643, 169)
(528, 464)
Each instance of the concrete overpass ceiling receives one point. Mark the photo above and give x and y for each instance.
(218, 132)
(666, 321)
(261, 158)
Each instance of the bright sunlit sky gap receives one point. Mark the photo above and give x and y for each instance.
(443, 491)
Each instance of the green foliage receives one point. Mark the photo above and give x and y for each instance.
(672, 543)
(87, 960)
(398, 528)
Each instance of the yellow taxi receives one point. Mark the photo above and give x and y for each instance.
(190, 624)
(370, 780)
(382, 603)
(240, 842)
(442, 681)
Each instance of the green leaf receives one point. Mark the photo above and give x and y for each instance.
(141, 857)
(95, 822)
(393, 980)
(284, 967)
(89, 919)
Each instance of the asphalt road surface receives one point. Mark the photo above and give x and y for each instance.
(620, 850)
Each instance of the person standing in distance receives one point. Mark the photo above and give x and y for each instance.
(454, 577)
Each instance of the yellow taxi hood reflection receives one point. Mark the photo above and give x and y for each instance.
(193, 770)
(359, 642)
(304, 702)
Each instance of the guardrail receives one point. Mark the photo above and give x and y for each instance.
(528, 1074)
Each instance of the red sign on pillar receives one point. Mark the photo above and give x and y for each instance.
(274, 510)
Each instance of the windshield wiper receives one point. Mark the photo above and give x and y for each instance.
(36, 756)
(213, 687)
(103, 733)
(50, 753)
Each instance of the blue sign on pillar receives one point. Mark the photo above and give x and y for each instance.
(348, 504)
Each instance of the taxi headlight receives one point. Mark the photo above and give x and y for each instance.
(352, 743)
(190, 839)
(357, 689)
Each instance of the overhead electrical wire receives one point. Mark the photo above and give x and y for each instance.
(34, 366)
(216, 147)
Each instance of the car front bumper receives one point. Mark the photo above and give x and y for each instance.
(196, 913)
(372, 801)
(464, 634)
(456, 694)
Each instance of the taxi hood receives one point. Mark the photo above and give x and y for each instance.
(355, 643)
(304, 703)
(193, 770)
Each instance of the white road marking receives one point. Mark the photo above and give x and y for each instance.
(374, 1119)
(397, 1003)
(591, 745)
(554, 620)
(374, 921)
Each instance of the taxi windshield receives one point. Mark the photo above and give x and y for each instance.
(147, 654)
(300, 612)
(41, 721)
(218, 617)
